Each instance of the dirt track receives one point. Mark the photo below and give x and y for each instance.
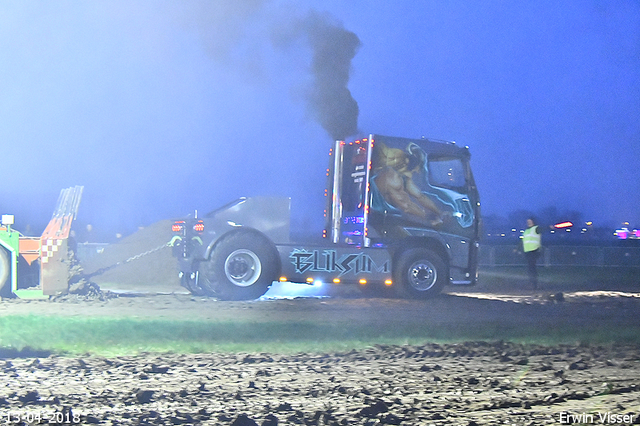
(467, 383)
(473, 383)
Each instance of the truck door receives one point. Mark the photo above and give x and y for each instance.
(350, 193)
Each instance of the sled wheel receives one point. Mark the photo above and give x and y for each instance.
(420, 274)
(242, 267)
(192, 285)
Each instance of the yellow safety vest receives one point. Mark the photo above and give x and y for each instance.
(531, 239)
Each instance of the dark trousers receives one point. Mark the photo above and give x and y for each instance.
(532, 268)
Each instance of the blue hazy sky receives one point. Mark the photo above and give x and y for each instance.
(162, 107)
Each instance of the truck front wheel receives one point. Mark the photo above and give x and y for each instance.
(420, 273)
(242, 267)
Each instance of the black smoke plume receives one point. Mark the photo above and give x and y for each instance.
(330, 99)
(232, 26)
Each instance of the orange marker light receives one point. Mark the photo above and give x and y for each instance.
(388, 282)
(563, 225)
(336, 280)
(362, 281)
(283, 279)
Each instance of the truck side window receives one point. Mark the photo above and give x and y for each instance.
(447, 173)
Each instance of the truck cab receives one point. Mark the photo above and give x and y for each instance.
(401, 214)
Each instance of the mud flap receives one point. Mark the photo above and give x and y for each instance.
(54, 257)
(54, 267)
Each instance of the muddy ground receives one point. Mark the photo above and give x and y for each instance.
(487, 382)
(469, 383)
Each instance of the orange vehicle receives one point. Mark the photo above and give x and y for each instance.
(36, 267)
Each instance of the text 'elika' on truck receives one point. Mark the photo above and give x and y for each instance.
(401, 214)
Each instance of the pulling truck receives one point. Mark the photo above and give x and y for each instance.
(402, 214)
(38, 267)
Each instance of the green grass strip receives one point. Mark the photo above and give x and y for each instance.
(124, 336)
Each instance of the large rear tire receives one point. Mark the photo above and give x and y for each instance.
(242, 267)
(5, 273)
(420, 274)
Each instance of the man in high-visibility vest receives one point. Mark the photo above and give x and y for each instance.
(531, 244)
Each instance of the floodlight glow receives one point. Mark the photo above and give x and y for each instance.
(287, 290)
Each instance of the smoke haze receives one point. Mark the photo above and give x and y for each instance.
(161, 108)
(290, 30)
(114, 102)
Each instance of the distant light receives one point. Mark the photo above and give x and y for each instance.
(309, 280)
(7, 219)
(563, 225)
(283, 279)
(336, 280)
(362, 281)
(622, 234)
(589, 223)
(388, 282)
